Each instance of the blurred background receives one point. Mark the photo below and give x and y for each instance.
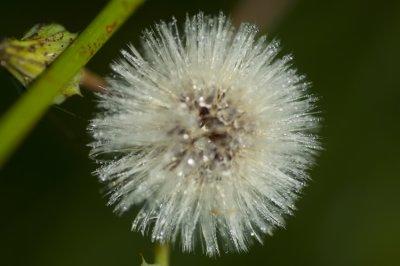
(53, 210)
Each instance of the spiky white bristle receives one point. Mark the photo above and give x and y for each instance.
(209, 132)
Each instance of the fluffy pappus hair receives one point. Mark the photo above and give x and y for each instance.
(208, 132)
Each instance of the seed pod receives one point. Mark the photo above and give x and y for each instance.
(28, 57)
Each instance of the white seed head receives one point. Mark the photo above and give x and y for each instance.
(208, 131)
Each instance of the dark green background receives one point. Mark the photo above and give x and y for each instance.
(52, 209)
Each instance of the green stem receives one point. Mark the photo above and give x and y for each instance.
(162, 254)
(21, 118)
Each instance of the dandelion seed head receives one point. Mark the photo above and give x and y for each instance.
(208, 132)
